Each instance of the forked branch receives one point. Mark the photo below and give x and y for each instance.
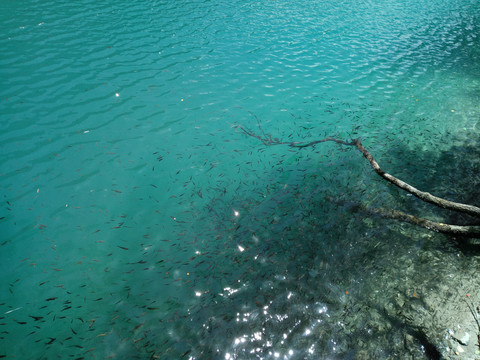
(471, 231)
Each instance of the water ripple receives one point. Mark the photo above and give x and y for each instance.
(138, 220)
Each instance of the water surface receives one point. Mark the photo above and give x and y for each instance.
(137, 221)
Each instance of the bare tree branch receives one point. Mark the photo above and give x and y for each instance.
(472, 231)
(464, 230)
(425, 196)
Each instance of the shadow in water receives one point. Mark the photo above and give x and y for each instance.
(295, 274)
(417, 333)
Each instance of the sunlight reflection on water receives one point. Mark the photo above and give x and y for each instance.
(138, 222)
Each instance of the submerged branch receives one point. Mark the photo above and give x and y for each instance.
(472, 231)
(463, 230)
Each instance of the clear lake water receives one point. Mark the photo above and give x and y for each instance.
(138, 222)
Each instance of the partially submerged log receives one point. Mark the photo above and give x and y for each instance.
(462, 230)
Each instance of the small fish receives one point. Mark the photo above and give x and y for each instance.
(138, 326)
(9, 311)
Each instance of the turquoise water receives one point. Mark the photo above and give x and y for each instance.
(138, 222)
